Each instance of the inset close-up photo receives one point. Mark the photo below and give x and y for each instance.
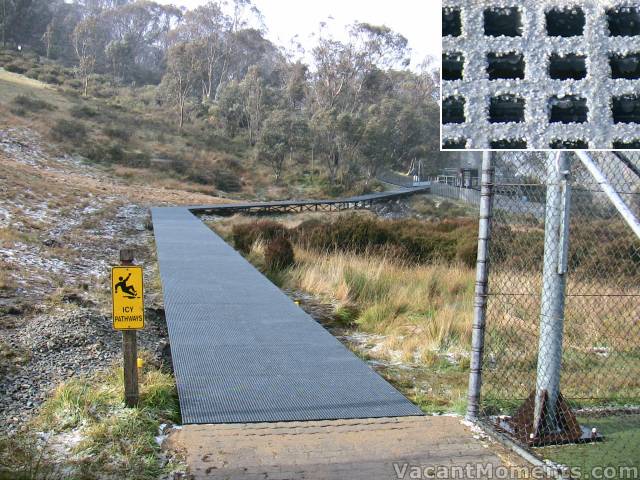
(540, 74)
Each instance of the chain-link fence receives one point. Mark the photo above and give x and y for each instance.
(558, 344)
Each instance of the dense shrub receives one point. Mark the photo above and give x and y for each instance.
(114, 152)
(598, 248)
(278, 254)
(73, 83)
(98, 152)
(243, 238)
(594, 246)
(414, 240)
(15, 68)
(138, 159)
(351, 233)
(409, 239)
(32, 104)
(69, 130)
(203, 176)
(216, 169)
(33, 73)
(244, 235)
(117, 133)
(456, 241)
(179, 165)
(50, 79)
(53, 70)
(227, 181)
(83, 111)
(467, 251)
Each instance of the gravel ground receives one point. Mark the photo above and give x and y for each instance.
(392, 210)
(60, 230)
(60, 345)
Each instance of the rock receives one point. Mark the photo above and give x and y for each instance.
(52, 243)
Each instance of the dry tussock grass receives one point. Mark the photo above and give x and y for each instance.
(598, 312)
(421, 309)
(426, 310)
(7, 282)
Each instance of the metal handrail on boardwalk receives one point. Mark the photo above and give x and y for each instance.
(297, 206)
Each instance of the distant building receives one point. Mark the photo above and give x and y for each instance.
(464, 171)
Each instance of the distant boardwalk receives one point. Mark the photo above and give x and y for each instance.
(242, 350)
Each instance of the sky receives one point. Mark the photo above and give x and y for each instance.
(417, 20)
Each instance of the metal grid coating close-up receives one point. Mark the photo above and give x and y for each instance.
(541, 74)
(242, 351)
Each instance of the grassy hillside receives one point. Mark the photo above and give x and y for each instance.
(78, 177)
(127, 140)
(132, 132)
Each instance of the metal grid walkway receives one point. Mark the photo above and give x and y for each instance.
(242, 350)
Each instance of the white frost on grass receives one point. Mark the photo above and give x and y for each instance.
(537, 88)
(30, 257)
(5, 218)
(37, 212)
(23, 146)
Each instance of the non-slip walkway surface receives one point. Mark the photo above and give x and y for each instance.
(242, 350)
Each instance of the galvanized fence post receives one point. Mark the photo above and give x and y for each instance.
(480, 300)
(556, 244)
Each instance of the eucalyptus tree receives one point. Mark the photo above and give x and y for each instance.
(295, 84)
(284, 132)
(137, 38)
(209, 28)
(24, 21)
(88, 41)
(230, 109)
(180, 77)
(253, 91)
(345, 82)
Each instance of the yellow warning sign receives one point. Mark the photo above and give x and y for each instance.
(128, 298)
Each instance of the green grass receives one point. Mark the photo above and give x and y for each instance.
(114, 440)
(13, 85)
(620, 448)
(32, 104)
(436, 389)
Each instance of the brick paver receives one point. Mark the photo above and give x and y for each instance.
(324, 450)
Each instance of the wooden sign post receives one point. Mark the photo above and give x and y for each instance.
(128, 315)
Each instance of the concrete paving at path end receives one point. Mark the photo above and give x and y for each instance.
(334, 449)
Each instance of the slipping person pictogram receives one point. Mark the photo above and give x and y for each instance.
(127, 290)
